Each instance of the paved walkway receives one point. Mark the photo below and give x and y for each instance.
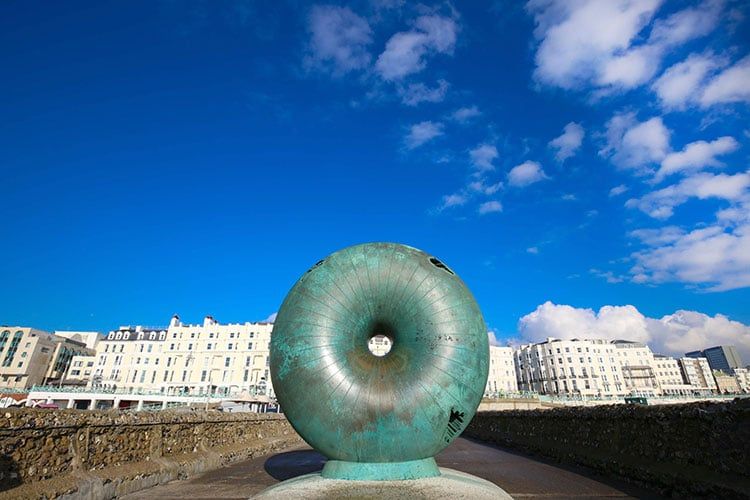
(519, 475)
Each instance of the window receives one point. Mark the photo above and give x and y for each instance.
(231, 335)
(171, 347)
(169, 362)
(249, 346)
(229, 347)
(227, 361)
(247, 373)
(211, 335)
(190, 347)
(20, 364)
(208, 346)
(149, 347)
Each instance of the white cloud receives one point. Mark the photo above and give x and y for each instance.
(636, 145)
(568, 143)
(525, 174)
(714, 257)
(490, 207)
(422, 132)
(271, 318)
(594, 43)
(618, 190)
(533, 250)
(453, 200)
(696, 156)
(464, 115)
(339, 40)
(631, 69)
(481, 187)
(609, 276)
(417, 93)
(679, 84)
(483, 156)
(567, 322)
(660, 236)
(578, 37)
(660, 204)
(406, 52)
(673, 334)
(731, 85)
(492, 337)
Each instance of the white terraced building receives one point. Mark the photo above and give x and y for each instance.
(211, 357)
(669, 377)
(600, 368)
(502, 371)
(637, 364)
(570, 367)
(697, 373)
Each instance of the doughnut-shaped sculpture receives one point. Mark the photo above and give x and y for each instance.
(354, 406)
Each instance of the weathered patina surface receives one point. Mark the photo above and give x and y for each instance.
(354, 406)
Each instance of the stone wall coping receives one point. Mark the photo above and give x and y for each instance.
(34, 418)
(703, 409)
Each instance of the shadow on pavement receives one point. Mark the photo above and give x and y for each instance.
(283, 466)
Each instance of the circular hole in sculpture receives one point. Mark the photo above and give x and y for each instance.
(380, 345)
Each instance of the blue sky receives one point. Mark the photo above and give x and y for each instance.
(582, 165)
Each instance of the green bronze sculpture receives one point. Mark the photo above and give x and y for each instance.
(379, 418)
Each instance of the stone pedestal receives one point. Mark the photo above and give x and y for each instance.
(449, 485)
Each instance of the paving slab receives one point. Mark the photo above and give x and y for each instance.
(520, 475)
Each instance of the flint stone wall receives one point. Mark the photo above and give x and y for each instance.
(60, 450)
(696, 449)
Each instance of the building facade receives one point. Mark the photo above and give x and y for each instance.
(80, 371)
(205, 358)
(637, 364)
(669, 377)
(502, 372)
(89, 339)
(743, 379)
(697, 373)
(726, 383)
(31, 357)
(577, 367)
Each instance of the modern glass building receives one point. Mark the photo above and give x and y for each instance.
(721, 357)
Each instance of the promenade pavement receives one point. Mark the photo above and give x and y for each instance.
(520, 475)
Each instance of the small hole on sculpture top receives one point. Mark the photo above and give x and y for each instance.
(379, 345)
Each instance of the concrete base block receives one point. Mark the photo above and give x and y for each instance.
(450, 484)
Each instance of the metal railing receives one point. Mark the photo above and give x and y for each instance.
(127, 392)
